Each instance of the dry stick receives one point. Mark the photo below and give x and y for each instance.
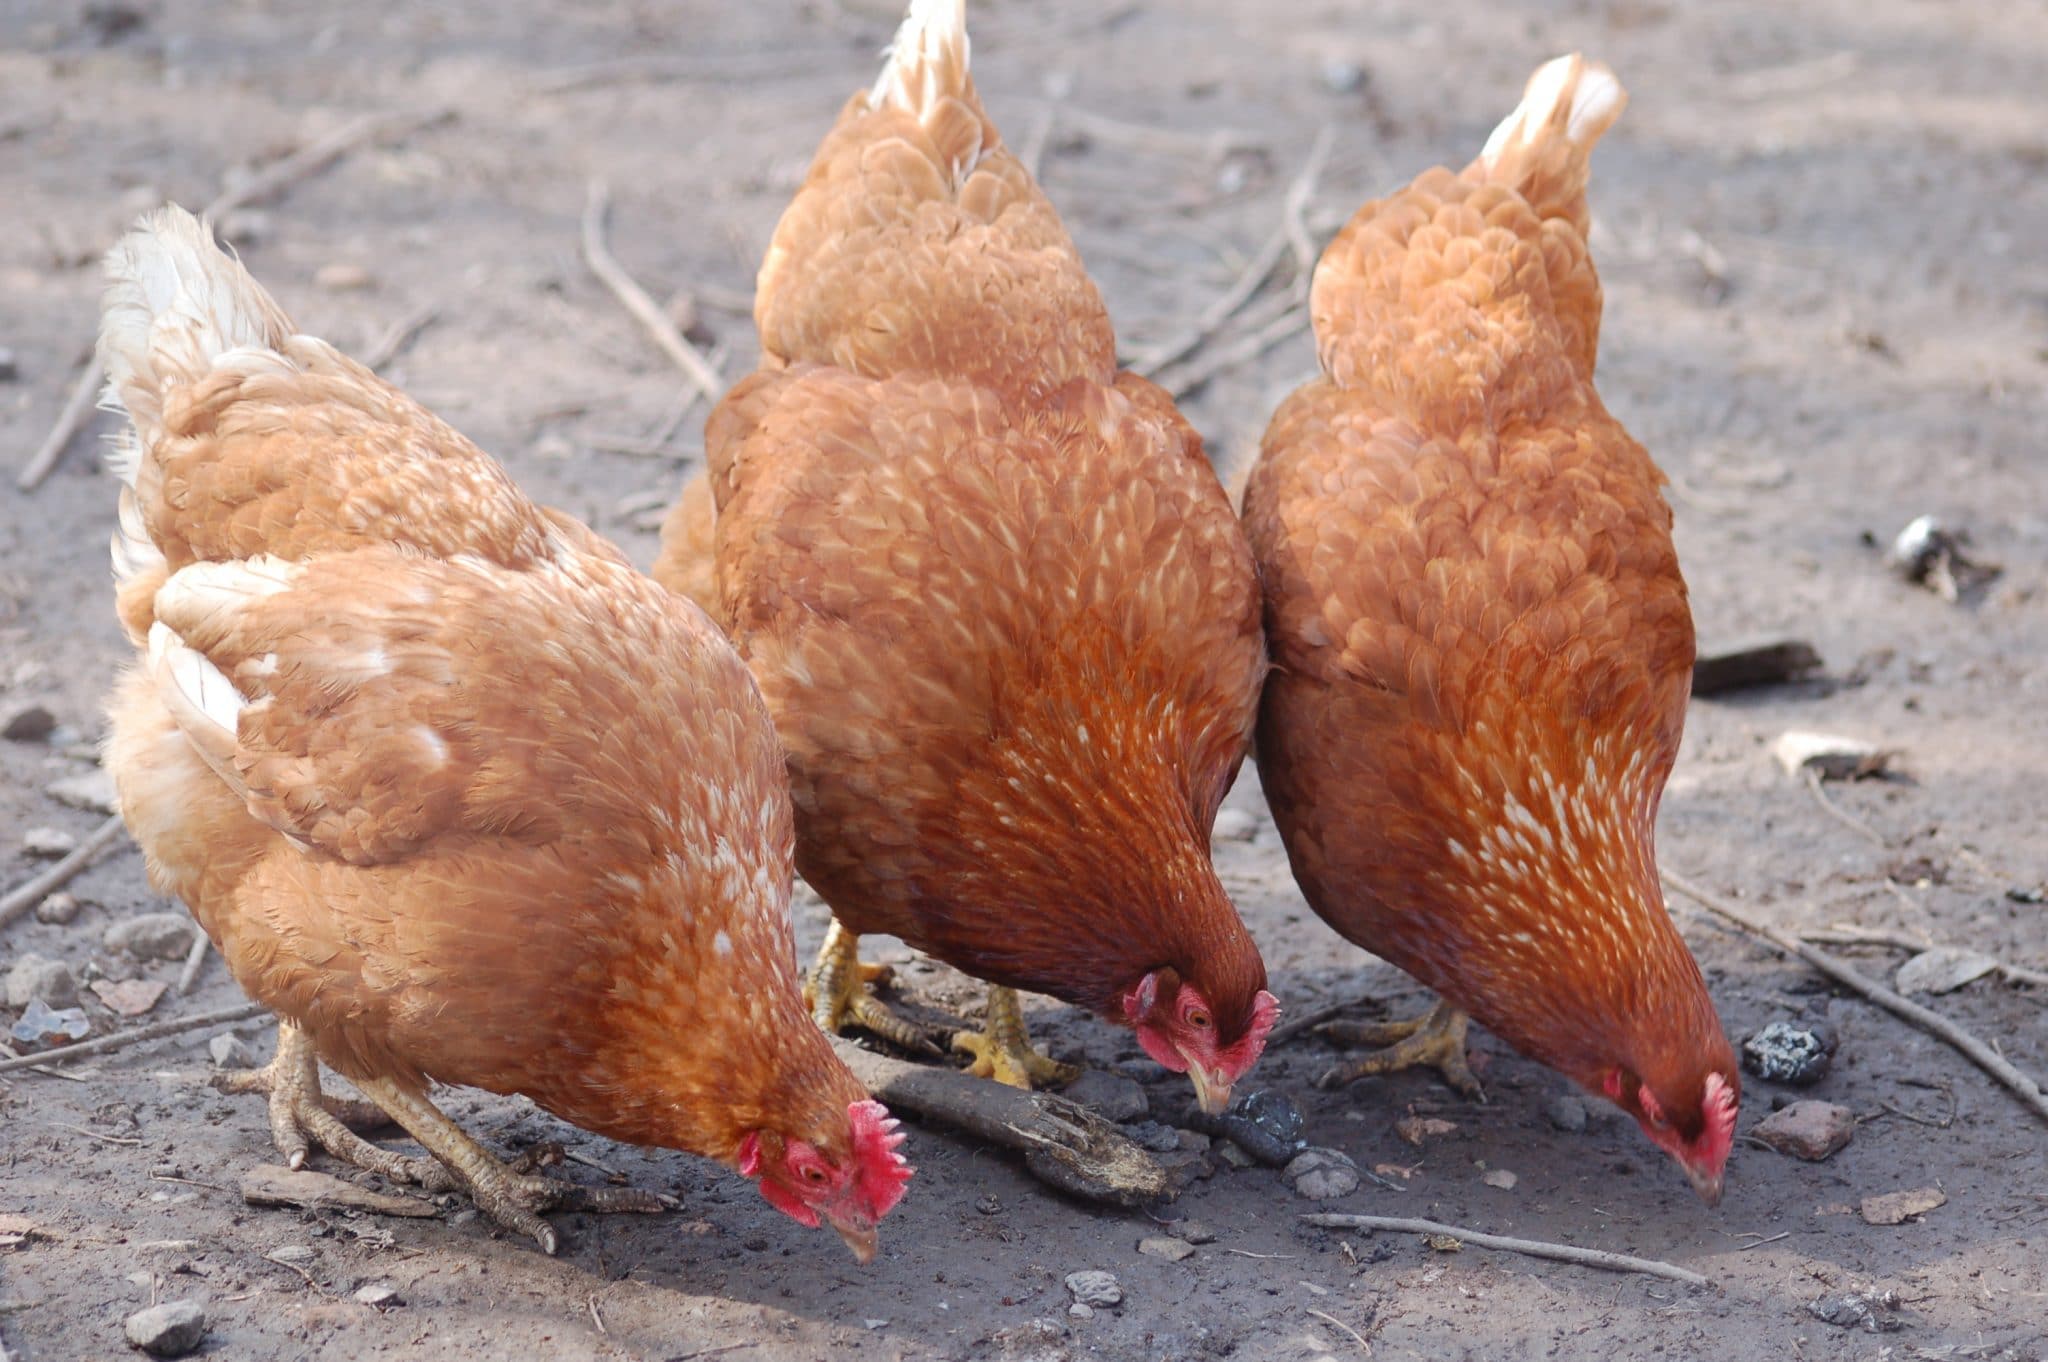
(1840, 814)
(1325, 1315)
(652, 319)
(1976, 1051)
(195, 959)
(282, 174)
(1205, 367)
(1535, 1248)
(1899, 941)
(19, 901)
(121, 1040)
(1308, 1020)
(1296, 207)
(397, 336)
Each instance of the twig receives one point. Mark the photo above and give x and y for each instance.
(596, 1318)
(195, 959)
(635, 300)
(1976, 1051)
(712, 1352)
(27, 896)
(1295, 206)
(273, 178)
(1899, 941)
(1325, 1315)
(94, 1134)
(577, 1156)
(1781, 1234)
(1535, 1248)
(121, 1040)
(1200, 370)
(1274, 1257)
(1308, 1020)
(397, 336)
(1839, 814)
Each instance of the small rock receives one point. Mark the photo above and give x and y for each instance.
(341, 277)
(291, 1253)
(1785, 1053)
(1229, 1152)
(1080, 1311)
(1266, 1125)
(1156, 1136)
(1942, 970)
(1567, 1112)
(1765, 662)
(1095, 1287)
(1233, 825)
(28, 723)
(1343, 77)
(168, 1330)
(1896, 1208)
(1927, 553)
(1194, 1231)
(1416, 1129)
(153, 936)
(1320, 1174)
(48, 843)
(229, 1051)
(1160, 1246)
(129, 997)
(381, 1295)
(41, 1024)
(36, 979)
(1110, 1096)
(873, 1324)
(1808, 1130)
(93, 790)
(1833, 757)
(1871, 1311)
(1501, 1178)
(58, 908)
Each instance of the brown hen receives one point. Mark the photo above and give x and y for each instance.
(1481, 643)
(992, 591)
(456, 791)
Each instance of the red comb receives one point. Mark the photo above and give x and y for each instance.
(1719, 1136)
(881, 1173)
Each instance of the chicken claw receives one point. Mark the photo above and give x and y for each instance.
(1436, 1040)
(508, 1193)
(837, 994)
(1002, 1050)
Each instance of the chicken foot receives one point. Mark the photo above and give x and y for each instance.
(507, 1193)
(1002, 1050)
(1435, 1040)
(301, 1115)
(838, 996)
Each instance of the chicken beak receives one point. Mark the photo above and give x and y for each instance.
(1212, 1089)
(863, 1239)
(1707, 1182)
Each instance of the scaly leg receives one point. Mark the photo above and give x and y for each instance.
(505, 1192)
(301, 1115)
(1002, 1050)
(838, 996)
(1435, 1040)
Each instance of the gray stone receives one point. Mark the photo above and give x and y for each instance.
(1343, 77)
(1110, 1096)
(1160, 1246)
(34, 978)
(1320, 1174)
(168, 1330)
(1808, 1130)
(1080, 1311)
(291, 1253)
(1567, 1112)
(1233, 1155)
(59, 908)
(1194, 1231)
(382, 1295)
(153, 936)
(48, 843)
(230, 1052)
(94, 791)
(27, 723)
(1095, 1287)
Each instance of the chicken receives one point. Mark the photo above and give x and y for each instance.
(458, 793)
(1481, 644)
(993, 592)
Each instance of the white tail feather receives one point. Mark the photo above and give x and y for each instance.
(1596, 101)
(198, 693)
(928, 59)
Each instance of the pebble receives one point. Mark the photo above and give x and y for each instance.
(1320, 1174)
(1080, 1311)
(1567, 1112)
(48, 843)
(35, 978)
(1832, 756)
(153, 936)
(1156, 1136)
(58, 908)
(1896, 1208)
(1501, 1178)
(29, 723)
(229, 1051)
(1194, 1231)
(1784, 1053)
(168, 1330)
(382, 1295)
(1941, 970)
(1343, 77)
(1871, 1311)
(1230, 1153)
(40, 1024)
(1095, 1287)
(94, 790)
(1266, 1125)
(1234, 825)
(1808, 1130)
(1160, 1246)
(1110, 1096)
(291, 1253)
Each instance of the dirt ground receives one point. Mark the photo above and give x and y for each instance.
(1823, 231)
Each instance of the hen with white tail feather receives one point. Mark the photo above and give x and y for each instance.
(458, 793)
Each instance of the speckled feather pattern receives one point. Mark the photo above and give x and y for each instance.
(491, 808)
(992, 589)
(1480, 636)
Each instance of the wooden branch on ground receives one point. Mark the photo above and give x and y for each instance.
(1199, 370)
(1295, 209)
(27, 896)
(635, 299)
(1307, 1021)
(397, 336)
(1928, 1020)
(195, 960)
(1064, 1144)
(272, 179)
(1899, 941)
(121, 1040)
(1534, 1248)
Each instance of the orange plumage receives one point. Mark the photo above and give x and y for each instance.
(1481, 644)
(456, 791)
(991, 588)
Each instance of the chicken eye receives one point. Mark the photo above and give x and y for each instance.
(813, 1173)
(1199, 1020)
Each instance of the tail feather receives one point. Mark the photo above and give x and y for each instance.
(927, 63)
(175, 304)
(1542, 148)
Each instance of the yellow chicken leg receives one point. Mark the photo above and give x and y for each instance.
(1002, 1050)
(301, 1115)
(838, 996)
(1435, 1040)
